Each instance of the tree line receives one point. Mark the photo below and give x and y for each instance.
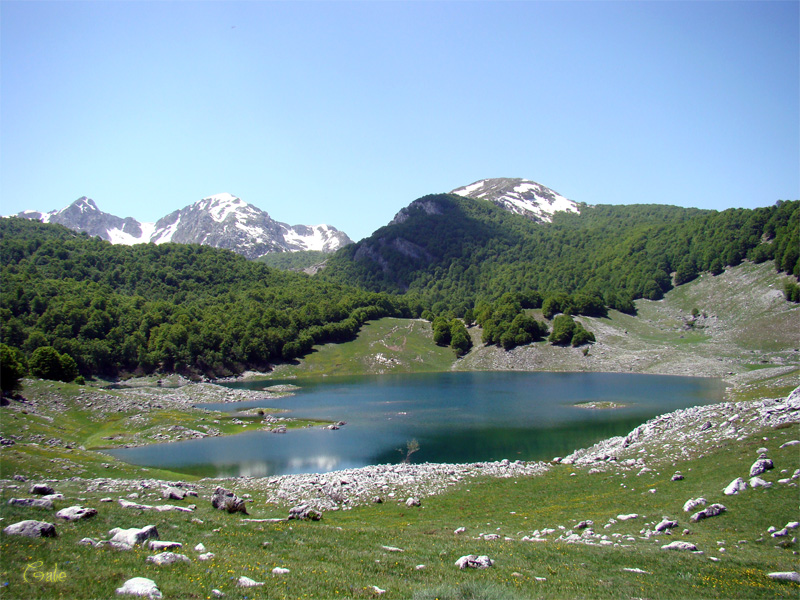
(455, 252)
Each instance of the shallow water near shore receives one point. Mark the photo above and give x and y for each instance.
(455, 417)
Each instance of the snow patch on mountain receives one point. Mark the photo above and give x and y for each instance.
(520, 196)
(221, 220)
(119, 236)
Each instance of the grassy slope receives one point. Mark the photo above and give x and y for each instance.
(748, 327)
(341, 556)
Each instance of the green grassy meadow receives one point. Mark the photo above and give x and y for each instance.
(343, 555)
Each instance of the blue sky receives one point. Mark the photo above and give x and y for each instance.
(344, 112)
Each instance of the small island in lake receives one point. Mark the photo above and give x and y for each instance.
(604, 405)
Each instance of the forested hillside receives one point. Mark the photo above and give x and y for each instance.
(456, 252)
(173, 307)
(75, 305)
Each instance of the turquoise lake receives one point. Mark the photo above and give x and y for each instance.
(455, 417)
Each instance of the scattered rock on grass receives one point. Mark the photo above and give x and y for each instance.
(757, 482)
(167, 558)
(693, 503)
(679, 546)
(304, 512)
(130, 537)
(42, 489)
(761, 465)
(226, 500)
(140, 586)
(666, 524)
(735, 486)
(173, 493)
(247, 582)
(32, 529)
(473, 561)
(76, 513)
(711, 511)
(159, 545)
(42, 503)
(785, 576)
(280, 571)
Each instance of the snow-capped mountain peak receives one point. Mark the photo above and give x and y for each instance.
(220, 206)
(520, 196)
(222, 221)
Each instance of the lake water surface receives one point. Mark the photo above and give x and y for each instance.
(455, 417)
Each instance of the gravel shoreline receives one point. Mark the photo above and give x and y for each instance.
(682, 434)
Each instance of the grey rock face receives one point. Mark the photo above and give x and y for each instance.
(42, 489)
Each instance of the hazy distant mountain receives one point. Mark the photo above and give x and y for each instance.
(221, 221)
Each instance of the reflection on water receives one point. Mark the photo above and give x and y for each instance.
(456, 417)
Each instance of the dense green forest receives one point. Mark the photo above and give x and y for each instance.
(453, 252)
(293, 261)
(173, 307)
(72, 305)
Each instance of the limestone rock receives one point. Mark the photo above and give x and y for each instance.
(666, 524)
(710, 511)
(247, 582)
(206, 556)
(200, 548)
(473, 561)
(226, 500)
(130, 537)
(173, 493)
(42, 489)
(75, 513)
(158, 545)
(785, 576)
(304, 512)
(32, 529)
(679, 546)
(167, 558)
(280, 571)
(42, 503)
(87, 542)
(693, 503)
(413, 502)
(735, 486)
(761, 465)
(141, 586)
(757, 482)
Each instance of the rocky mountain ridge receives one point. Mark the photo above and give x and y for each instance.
(220, 221)
(520, 196)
